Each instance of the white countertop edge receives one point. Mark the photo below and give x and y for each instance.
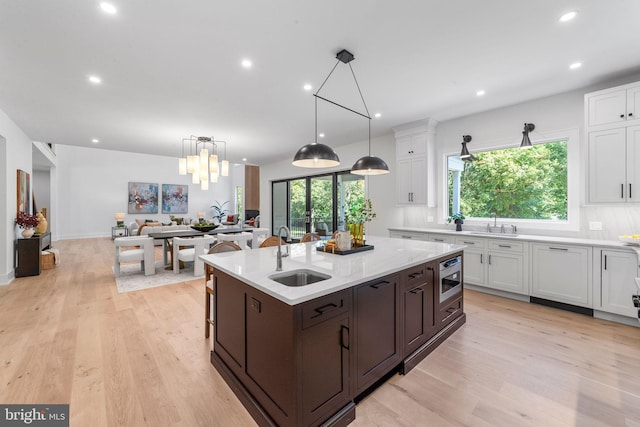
(522, 237)
(235, 264)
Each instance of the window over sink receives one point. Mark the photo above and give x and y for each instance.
(535, 187)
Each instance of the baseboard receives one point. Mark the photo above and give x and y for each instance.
(612, 317)
(496, 292)
(6, 279)
(562, 306)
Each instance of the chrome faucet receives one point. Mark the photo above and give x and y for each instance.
(279, 255)
(495, 218)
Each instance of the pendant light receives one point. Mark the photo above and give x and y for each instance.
(317, 155)
(526, 142)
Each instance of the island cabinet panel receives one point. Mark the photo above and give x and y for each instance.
(377, 330)
(229, 320)
(270, 354)
(419, 314)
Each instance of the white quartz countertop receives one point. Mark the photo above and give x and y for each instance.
(523, 237)
(253, 266)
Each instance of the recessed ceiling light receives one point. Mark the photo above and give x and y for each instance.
(95, 80)
(575, 65)
(377, 115)
(244, 159)
(246, 63)
(480, 93)
(307, 87)
(95, 141)
(568, 16)
(321, 135)
(108, 8)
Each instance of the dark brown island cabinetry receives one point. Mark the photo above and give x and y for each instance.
(305, 364)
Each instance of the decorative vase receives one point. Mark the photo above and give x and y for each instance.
(357, 232)
(27, 232)
(41, 228)
(459, 223)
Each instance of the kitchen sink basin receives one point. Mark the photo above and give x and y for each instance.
(300, 277)
(486, 233)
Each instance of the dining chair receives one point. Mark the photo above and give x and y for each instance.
(310, 237)
(208, 282)
(272, 241)
(143, 251)
(189, 250)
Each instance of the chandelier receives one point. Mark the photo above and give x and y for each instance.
(202, 161)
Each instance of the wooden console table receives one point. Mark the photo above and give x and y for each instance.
(28, 254)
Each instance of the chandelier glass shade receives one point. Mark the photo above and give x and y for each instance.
(202, 162)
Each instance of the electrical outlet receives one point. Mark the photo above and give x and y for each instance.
(595, 225)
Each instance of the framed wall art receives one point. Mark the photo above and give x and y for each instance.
(23, 192)
(143, 198)
(175, 198)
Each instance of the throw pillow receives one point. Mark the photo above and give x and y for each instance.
(229, 218)
(252, 222)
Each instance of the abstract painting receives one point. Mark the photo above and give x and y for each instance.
(175, 198)
(143, 198)
(24, 192)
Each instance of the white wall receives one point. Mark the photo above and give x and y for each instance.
(93, 186)
(381, 188)
(15, 153)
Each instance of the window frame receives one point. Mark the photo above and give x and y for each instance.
(575, 186)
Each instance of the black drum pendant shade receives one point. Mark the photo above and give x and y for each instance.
(370, 165)
(316, 155)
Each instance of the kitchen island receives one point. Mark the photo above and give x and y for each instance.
(302, 355)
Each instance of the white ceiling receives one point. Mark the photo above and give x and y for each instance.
(171, 68)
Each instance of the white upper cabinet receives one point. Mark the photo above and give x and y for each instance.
(613, 107)
(415, 163)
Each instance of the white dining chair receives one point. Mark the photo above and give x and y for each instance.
(238, 238)
(143, 252)
(189, 250)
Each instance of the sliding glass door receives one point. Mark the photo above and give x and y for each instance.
(315, 204)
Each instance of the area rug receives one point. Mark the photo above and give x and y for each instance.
(132, 278)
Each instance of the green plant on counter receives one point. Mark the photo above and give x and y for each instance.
(455, 217)
(359, 213)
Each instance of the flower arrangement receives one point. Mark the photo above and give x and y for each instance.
(359, 213)
(25, 220)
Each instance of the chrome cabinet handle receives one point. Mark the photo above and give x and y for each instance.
(505, 246)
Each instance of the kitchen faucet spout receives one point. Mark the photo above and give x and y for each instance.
(279, 254)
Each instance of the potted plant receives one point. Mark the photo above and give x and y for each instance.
(458, 218)
(27, 222)
(355, 215)
(219, 210)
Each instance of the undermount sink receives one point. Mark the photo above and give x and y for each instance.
(488, 233)
(300, 277)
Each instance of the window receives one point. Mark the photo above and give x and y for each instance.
(239, 208)
(315, 203)
(526, 184)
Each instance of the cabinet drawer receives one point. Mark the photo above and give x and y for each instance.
(408, 235)
(440, 238)
(471, 242)
(506, 245)
(450, 311)
(323, 308)
(416, 276)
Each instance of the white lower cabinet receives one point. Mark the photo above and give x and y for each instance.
(475, 260)
(440, 238)
(618, 271)
(561, 273)
(507, 267)
(411, 235)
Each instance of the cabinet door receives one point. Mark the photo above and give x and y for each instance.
(633, 104)
(403, 147)
(325, 369)
(419, 144)
(607, 171)
(419, 181)
(506, 271)
(377, 338)
(619, 270)
(561, 273)
(403, 182)
(269, 350)
(419, 315)
(609, 107)
(474, 267)
(440, 238)
(633, 162)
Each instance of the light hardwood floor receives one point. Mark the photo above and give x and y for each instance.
(140, 359)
